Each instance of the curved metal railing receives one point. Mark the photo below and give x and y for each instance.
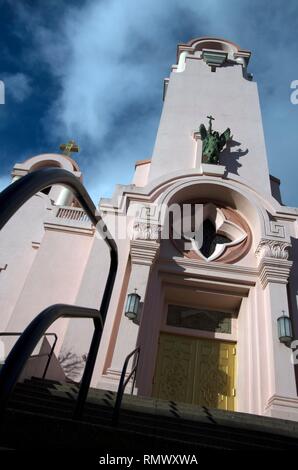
(28, 341)
(135, 354)
(11, 199)
(49, 355)
(17, 193)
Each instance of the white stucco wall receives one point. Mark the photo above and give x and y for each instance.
(232, 100)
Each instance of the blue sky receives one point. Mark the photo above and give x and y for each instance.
(93, 70)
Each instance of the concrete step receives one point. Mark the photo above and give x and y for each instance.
(44, 382)
(27, 430)
(45, 393)
(167, 426)
(163, 409)
(197, 426)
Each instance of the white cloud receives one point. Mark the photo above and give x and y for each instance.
(109, 59)
(17, 86)
(106, 68)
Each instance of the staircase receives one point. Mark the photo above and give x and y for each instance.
(40, 412)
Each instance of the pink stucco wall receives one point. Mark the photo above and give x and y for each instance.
(59, 258)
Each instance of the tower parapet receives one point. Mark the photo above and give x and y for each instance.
(211, 78)
(60, 195)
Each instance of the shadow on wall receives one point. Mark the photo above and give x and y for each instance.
(36, 364)
(230, 157)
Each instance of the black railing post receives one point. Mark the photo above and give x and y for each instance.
(123, 382)
(13, 197)
(51, 353)
(27, 342)
(98, 327)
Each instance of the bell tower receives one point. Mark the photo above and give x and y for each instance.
(211, 79)
(211, 312)
(213, 306)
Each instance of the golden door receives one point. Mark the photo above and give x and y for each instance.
(195, 370)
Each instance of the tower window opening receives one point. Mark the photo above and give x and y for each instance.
(211, 238)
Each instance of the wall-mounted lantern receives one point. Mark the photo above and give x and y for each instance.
(285, 332)
(132, 305)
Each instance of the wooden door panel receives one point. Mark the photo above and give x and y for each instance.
(175, 364)
(195, 370)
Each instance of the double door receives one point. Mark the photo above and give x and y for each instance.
(195, 370)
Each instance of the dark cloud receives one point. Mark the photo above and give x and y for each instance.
(97, 68)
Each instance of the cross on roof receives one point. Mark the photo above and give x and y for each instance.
(211, 118)
(70, 147)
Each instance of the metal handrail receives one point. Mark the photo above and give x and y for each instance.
(28, 341)
(49, 355)
(123, 382)
(14, 196)
(17, 193)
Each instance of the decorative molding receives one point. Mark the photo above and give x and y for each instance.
(213, 170)
(272, 249)
(279, 400)
(274, 265)
(212, 271)
(172, 183)
(72, 213)
(233, 231)
(146, 231)
(227, 222)
(69, 228)
(274, 270)
(144, 251)
(276, 230)
(69, 219)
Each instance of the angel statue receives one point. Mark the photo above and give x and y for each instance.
(213, 143)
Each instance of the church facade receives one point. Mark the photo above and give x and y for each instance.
(207, 251)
